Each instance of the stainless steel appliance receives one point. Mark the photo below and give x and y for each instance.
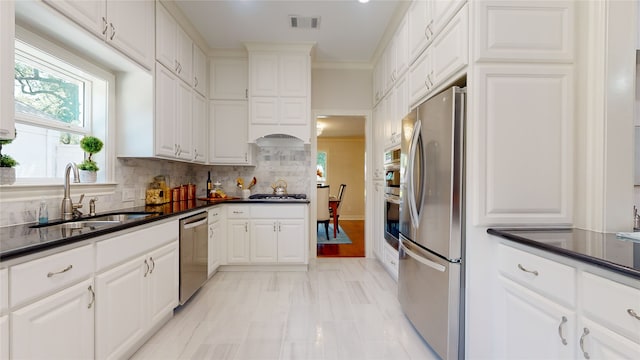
(431, 269)
(392, 196)
(194, 258)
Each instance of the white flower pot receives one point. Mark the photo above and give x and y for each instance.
(87, 176)
(7, 175)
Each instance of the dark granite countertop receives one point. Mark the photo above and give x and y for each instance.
(604, 250)
(21, 240)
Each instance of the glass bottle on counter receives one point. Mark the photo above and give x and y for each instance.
(209, 184)
(43, 213)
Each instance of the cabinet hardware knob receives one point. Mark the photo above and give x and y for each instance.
(534, 272)
(564, 321)
(93, 297)
(584, 334)
(633, 314)
(153, 265)
(147, 271)
(50, 274)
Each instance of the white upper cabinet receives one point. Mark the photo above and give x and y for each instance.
(174, 47)
(228, 79)
(228, 133)
(420, 30)
(7, 29)
(126, 25)
(534, 31)
(279, 91)
(200, 128)
(199, 70)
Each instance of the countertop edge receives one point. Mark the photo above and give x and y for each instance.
(29, 250)
(503, 233)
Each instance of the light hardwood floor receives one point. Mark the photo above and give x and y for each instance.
(342, 308)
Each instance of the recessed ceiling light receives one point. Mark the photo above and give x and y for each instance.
(363, 1)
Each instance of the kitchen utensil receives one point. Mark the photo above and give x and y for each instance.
(252, 183)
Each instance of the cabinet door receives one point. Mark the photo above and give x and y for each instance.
(131, 29)
(163, 282)
(420, 78)
(199, 70)
(59, 326)
(533, 327)
(401, 40)
(443, 10)
(165, 116)
(378, 220)
(183, 123)
(264, 241)
(597, 342)
(7, 64)
(121, 314)
(292, 246)
(264, 74)
(519, 107)
(229, 131)
(420, 35)
(200, 129)
(450, 48)
(228, 78)
(401, 106)
(293, 111)
(4, 337)
(378, 141)
(264, 111)
(294, 75)
(216, 237)
(238, 247)
(184, 56)
(91, 15)
(166, 38)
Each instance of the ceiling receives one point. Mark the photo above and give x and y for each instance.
(348, 31)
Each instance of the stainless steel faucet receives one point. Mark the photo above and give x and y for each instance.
(69, 210)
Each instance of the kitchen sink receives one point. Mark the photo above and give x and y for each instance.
(98, 220)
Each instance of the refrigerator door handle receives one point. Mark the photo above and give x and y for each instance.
(421, 259)
(413, 208)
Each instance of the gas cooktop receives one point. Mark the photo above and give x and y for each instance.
(278, 197)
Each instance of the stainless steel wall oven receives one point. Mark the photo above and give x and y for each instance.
(392, 197)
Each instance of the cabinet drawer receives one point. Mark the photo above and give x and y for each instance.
(41, 276)
(278, 211)
(215, 214)
(237, 211)
(123, 247)
(554, 280)
(612, 304)
(391, 260)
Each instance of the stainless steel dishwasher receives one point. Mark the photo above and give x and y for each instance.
(194, 257)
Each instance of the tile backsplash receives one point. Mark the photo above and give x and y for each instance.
(284, 159)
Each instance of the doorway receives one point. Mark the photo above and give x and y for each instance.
(340, 145)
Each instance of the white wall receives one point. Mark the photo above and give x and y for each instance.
(341, 89)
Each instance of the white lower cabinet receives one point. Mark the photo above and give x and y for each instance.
(4, 337)
(217, 255)
(134, 297)
(267, 234)
(534, 327)
(60, 326)
(539, 318)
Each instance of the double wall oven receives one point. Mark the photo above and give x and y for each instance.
(392, 196)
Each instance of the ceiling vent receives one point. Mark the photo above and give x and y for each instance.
(304, 22)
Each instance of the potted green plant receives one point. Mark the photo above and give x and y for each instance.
(7, 164)
(88, 168)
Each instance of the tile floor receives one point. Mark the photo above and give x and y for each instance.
(342, 308)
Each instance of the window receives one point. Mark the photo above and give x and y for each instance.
(59, 98)
(321, 167)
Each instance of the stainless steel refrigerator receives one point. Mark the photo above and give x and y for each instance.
(431, 269)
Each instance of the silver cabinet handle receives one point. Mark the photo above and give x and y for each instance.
(195, 78)
(238, 212)
(113, 31)
(93, 297)
(106, 26)
(279, 227)
(534, 272)
(153, 265)
(246, 227)
(50, 274)
(274, 227)
(146, 272)
(633, 314)
(564, 321)
(584, 334)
